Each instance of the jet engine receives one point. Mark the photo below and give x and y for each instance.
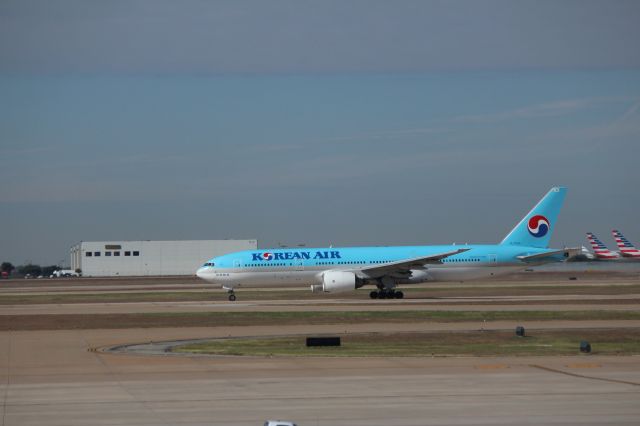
(337, 282)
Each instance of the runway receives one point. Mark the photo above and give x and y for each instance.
(51, 378)
(64, 377)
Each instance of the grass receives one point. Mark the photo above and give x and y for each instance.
(603, 342)
(226, 319)
(333, 317)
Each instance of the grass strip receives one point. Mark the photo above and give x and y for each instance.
(226, 319)
(492, 343)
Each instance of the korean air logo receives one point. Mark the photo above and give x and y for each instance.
(267, 256)
(538, 226)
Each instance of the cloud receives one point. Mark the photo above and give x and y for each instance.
(549, 109)
(12, 152)
(386, 134)
(630, 114)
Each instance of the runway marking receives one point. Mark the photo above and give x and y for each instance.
(582, 376)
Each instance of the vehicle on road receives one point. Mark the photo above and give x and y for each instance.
(64, 273)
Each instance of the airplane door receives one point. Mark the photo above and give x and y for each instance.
(299, 265)
(236, 263)
(493, 259)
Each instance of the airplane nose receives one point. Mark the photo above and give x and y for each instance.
(202, 273)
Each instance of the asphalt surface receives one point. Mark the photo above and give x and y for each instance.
(62, 378)
(66, 378)
(553, 303)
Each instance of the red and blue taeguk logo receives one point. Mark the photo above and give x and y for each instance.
(538, 226)
(267, 256)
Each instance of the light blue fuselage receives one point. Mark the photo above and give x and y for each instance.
(306, 265)
(348, 268)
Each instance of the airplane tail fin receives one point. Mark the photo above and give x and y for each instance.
(599, 249)
(535, 229)
(626, 248)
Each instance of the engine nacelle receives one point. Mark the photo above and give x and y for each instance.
(338, 281)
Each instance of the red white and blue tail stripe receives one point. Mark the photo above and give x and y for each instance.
(626, 248)
(600, 250)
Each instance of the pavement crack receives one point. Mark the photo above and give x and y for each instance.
(583, 376)
(116, 378)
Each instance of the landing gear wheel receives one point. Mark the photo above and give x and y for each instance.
(398, 294)
(373, 294)
(232, 297)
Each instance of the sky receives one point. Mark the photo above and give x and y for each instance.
(314, 122)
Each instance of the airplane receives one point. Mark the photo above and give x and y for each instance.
(601, 251)
(626, 248)
(584, 255)
(343, 269)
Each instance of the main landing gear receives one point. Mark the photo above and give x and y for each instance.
(386, 294)
(232, 295)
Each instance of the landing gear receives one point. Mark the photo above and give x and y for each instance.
(386, 294)
(232, 295)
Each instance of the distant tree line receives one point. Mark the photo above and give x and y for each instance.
(30, 269)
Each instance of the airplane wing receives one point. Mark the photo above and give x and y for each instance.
(403, 266)
(568, 252)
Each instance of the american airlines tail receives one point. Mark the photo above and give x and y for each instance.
(599, 249)
(626, 248)
(535, 229)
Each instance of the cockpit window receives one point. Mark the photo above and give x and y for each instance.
(209, 264)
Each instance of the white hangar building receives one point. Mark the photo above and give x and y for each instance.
(142, 258)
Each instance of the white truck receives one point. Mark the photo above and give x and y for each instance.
(278, 423)
(64, 273)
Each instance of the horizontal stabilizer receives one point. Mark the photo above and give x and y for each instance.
(566, 253)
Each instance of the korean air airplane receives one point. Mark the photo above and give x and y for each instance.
(344, 269)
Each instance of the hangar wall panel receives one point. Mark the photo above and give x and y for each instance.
(140, 258)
